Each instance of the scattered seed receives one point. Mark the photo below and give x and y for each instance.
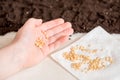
(93, 64)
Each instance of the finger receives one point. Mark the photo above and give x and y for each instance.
(50, 24)
(58, 43)
(67, 32)
(58, 29)
(32, 22)
(38, 22)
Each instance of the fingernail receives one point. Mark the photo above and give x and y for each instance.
(60, 20)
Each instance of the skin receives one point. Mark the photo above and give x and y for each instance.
(22, 52)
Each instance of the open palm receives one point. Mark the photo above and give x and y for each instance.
(54, 33)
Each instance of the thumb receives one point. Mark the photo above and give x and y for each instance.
(32, 22)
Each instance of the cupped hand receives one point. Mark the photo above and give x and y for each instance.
(53, 33)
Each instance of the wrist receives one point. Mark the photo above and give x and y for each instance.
(10, 60)
(19, 54)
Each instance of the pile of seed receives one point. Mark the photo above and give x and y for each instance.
(79, 60)
(39, 43)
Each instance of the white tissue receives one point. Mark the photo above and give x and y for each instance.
(98, 38)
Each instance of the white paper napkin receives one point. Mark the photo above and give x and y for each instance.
(105, 44)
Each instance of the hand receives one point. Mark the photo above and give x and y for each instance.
(54, 33)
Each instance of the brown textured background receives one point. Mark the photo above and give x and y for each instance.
(84, 14)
